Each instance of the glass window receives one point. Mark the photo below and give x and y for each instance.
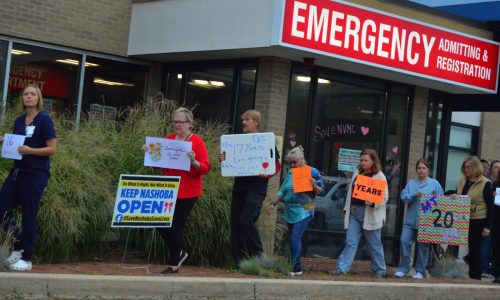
(112, 85)
(461, 137)
(296, 116)
(217, 92)
(211, 89)
(246, 95)
(345, 115)
(433, 132)
(453, 174)
(393, 155)
(54, 72)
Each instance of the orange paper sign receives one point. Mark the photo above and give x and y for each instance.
(369, 189)
(301, 179)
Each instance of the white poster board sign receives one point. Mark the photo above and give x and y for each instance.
(145, 201)
(166, 153)
(11, 144)
(248, 154)
(348, 159)
(497, 196)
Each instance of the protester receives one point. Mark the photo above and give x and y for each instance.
(190, 187)
(486, 168)
(496, 228)
(299, 206)
(248, 195)
(410, 195)
(28, 178)
(364, 218)
(478, 187)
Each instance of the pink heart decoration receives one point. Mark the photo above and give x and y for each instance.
(265, 165)
(395, 149)
(293, 143)
(365, 130)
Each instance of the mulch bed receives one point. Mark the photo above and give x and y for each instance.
(313, 268)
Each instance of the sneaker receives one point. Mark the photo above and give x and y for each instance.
(381, 276)
(21, 265)
(399, 274)
(14, 257)
(170, 270)
(182, 257)
(299, 273)
(336, 272)
(486, 275)
(418, 275)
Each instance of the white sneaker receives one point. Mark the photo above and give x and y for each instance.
(399, 274)
(21, 265)
(418, 275)
(14, 257)
(299, 273)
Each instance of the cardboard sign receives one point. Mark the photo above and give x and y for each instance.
(369, 189)
(360, 34)
(249, 154)
(444, 219)
(145, 201)
(301, 178)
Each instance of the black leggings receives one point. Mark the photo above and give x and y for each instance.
(476, 227)
(174, 236)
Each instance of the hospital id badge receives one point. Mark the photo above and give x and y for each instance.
(30, 130)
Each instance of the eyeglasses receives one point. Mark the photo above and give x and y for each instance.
(179, 122)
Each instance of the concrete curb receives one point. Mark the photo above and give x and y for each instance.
(63, 286)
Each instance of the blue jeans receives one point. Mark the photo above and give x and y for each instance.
(353, 236)
(296, 231)
(408, 237)
(486, 255)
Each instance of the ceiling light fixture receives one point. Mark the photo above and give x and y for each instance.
(76, 62)
(99, 80)
(20, 52)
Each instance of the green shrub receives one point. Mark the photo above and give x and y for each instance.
(76, 210)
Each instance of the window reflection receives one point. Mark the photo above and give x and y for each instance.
(111, 86)
(49, 70)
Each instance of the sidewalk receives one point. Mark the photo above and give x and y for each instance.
(106, 280)
(69, 286)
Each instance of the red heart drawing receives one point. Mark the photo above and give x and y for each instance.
(265, 165)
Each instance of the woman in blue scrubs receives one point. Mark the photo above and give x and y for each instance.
(28, 178)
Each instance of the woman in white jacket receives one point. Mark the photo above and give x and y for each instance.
(364, 218)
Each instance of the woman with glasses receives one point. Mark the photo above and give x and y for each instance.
(190, 186)
(478, 187)
(364, 218)
(299, 207)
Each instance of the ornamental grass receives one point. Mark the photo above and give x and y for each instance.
(76, 209)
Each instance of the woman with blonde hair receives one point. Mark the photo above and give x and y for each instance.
(364, 218)
(478, 187)
(28, 178)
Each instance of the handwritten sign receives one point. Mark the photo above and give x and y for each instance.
(11, 144)
(301, 179)
(145, 201)
(166, 153)
(348, 159)
(369, 189)
(444, 219)
(248, 154)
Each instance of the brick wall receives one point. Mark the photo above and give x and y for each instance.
(417, 139)
(271, 99)
(96, 25)
(489, 143)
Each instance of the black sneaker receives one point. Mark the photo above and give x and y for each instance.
(169, 270)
